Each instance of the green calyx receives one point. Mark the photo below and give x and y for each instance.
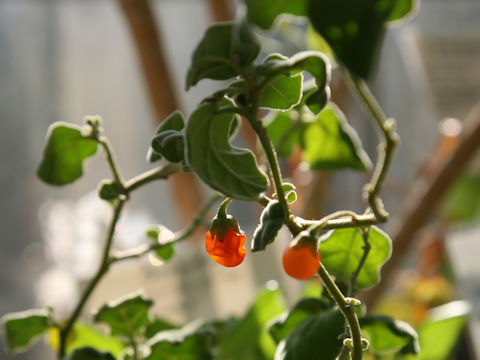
(222, 223)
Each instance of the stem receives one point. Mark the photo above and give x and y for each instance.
(386, 149)
(133, 344)
(112, 162)
(347, 310)
(145, 249)
(274, 169)
(366, 250)
(102, 269)
(151, 175)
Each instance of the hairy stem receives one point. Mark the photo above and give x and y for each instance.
(347, 310)
(112, 162)
(152, 175)
(102, 269)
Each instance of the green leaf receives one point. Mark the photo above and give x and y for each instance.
(88, 353)
(126, 316)
(270, 223)
(84, 335)
(403, 9)
(354, 28)
(169, 139)
(313, 62)
(162, 235)
(109, 190)
(224, 50)
(342, 249)
(317, 337)
(189, 343)
(388, 336)
(248, 339)
(158, 325)
(291, 197)
(440, 333)
(329, 143)
(232, 171)
(282, 93)
(462, 200)
(263, 12)
(284, 130)
(22, 329)
(282, 326)
(64, 154)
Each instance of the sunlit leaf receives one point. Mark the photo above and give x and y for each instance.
(263, 12)
(284, 130)
(88, 353)
(387, 335)
(23, 329)
(158, 325)
(162, 235)
(224, 49)
(462, 200)
(342, 250)
(317, 337)
(231, 170)
(249, 339)
(270, 223)
(64, 154)
(329, 143)
(403, 9)
(84, 335)
(126, 316)
(189, 343)
(282, 93)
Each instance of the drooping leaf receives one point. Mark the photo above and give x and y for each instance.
(224, 49)
(64, 154)
(270, 223)
(388, 336)
(329, 143)
(88, 353)
(282, 326)
(189, 343)
(440, 333)
(282, 93)
(313, 62)
(84, 335)
(126, 316)
(342, 249)
(23, 329)
(109, 190)
(263, 12)
(317, 337)
(462, 200)
(354, 28)
(284, 130)
(232, 171)
(169, 139)
(248, 338)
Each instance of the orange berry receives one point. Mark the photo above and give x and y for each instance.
(229, 252)
(301, 261)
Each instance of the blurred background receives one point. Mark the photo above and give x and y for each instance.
(63, 59)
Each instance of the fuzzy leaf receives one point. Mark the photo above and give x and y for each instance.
(64, 154)
(282, 93)
(342, 249)
(263, 12)
(270, 223)
(169, 139)
(232, 171)
(224, 49)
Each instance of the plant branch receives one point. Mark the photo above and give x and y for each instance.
(347, 310)
(102, 269)
(112, 162)
(152, 175)
(385, 151)
(422, 201)
(182, 235)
